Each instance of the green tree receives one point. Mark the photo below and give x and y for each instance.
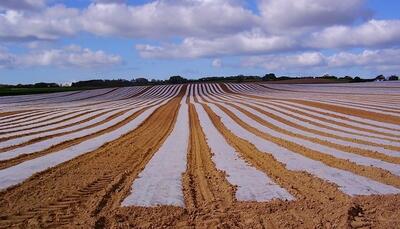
(269, 77)
(177, 80)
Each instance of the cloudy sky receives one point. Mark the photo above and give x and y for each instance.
(63, 41)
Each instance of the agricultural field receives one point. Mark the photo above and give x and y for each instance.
(4, 91)
(203, 155)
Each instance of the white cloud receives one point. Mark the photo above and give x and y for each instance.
(212, 29)
(203, 22)
(109, 1)
(164, 18)
(51, 24)
(284, 62)
(374, 33)
(367, 58)
(371, 33)
(254, 42)
(216, 63)
(280, 15)
(70, 56)
(383, 59)
(158, 19)
(22, 4)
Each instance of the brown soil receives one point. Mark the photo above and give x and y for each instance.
(305, 81)
(337, 108)
(352, 111)
(265, 85)
(4, 131)
(340, 117)
(94, 96)
(363, 152)
(61, 127)
(86, 189)
(7, 113)
(331, 121)
(204, 185)
(371, 172)
(50, 97)
(209, 205)
(86, 192)
(64, 126)
(69, 143)
(35, 115)
(283, 120)
(140, 92)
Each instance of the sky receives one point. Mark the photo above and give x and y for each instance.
(66, 41)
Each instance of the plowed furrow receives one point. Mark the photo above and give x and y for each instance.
(83, 188)
(95, 96)
(8, 113)
(352, 111)
(61, 134)
(24, 115)
(336, 108)
(139, 93)
(322, 120)
(204, 185)
(69, 123)
(374, 173)
(150, 143)
(363, 152)
(339, 166)
(330, 121)
(316, 92)
(288, 179)
(337, 115)
(59, 212)
(54, 128)
(359, 140)
(68, 143)
(40, 124)
(43, 119)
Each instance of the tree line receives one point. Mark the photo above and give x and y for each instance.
(100, 83)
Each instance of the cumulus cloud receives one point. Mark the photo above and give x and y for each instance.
(284, 62)
(158, 19)
(369, 59)
(164, 18)
(366, 58)
(51, 24)
(253, 42)
(371, 33)
(71, 56)
(22, 4)
(280, 15)
(204, 22)
(283, 34)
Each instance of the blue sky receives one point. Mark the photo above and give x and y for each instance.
(66, 41)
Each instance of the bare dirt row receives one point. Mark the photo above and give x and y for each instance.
(87, 191)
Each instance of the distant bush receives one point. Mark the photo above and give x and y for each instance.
(140, 81)
(380, 78)
(269, 77)
(177, 80)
